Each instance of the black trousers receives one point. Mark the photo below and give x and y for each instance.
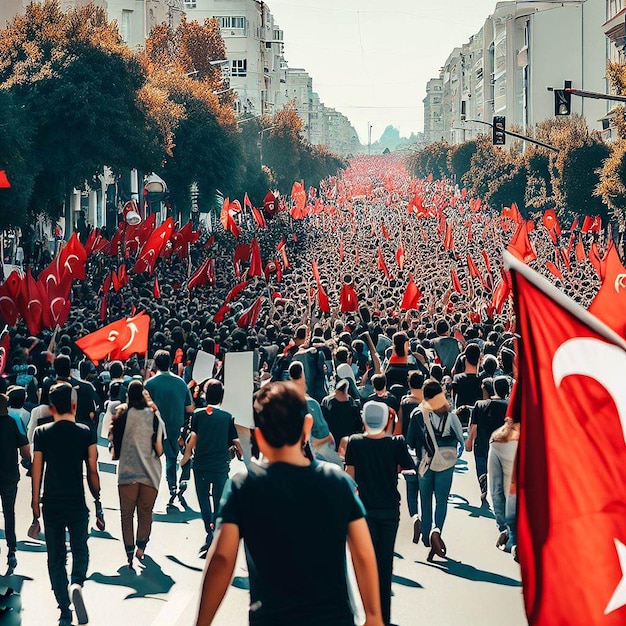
(8, 493)
(383, 527)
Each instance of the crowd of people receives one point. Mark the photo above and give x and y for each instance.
(352, 390)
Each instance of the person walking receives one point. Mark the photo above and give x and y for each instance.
(442, 434)
(276, 507)
(173, 399)
(11, 439)
(61, 449)
(487, 416)
(372, 460)
(500, 467)
(137, 434)
(212, 434)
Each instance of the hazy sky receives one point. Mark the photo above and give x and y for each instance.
(371, 59)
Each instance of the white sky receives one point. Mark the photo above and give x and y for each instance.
(371, 59)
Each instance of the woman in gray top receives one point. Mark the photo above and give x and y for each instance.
(137, 433)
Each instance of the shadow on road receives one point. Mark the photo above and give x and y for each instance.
(469, 572)
(176, 560)
(463, 504)
(406, 582)
(149, 580)
(176, 516)
(11, 607)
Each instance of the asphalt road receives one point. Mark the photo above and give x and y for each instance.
(476, 585)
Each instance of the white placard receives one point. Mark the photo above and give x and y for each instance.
(239, 387)
(203, 366)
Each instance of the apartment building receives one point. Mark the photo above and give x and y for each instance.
(433, 110)
(254, 49)
(523, 48)
(134, 18)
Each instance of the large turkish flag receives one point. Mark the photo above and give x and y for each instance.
(571, 397)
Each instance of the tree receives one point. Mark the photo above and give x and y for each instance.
(460, 158)
(79, 84)
(431, 160)
(280, 144)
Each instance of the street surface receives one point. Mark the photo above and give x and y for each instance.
(477, 585)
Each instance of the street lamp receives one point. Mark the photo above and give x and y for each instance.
(369, 139)
(261, 141)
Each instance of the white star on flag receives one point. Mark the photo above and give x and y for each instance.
(619, 595)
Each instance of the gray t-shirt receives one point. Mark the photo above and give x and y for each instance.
(138, 461)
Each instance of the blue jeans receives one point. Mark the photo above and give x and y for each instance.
(412, 492)
(55, 523)
(383, 527)
(171, 468)
(8, 495)
(213, 484)
(439, 485)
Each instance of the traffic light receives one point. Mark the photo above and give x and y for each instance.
(562, 102)
(563, 99)
(499, 134)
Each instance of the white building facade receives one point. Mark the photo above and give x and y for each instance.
(524, 48)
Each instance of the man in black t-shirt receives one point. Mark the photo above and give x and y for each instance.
(341, 413)
(61, 449)
(487, 416)
(373, 460)
(466, 387)
(213, 432)
(10, 440)
(279, 508)
(379, 382)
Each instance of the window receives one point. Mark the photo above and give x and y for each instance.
(239, 67)
(190, 4)
(126, 25)
(231, 21)
(436, 99)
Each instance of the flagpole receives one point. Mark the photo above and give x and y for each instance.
(544, 285)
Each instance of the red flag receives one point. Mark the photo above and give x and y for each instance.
(250, 316)
(555, 271)
(581, 255)
(473, 269)
(221, 314)
(103, 309)
(456, 283)
(4, 181)
(226, 218)
(386, 234)
(235, 291)
(156, 290)
(156, 242)
(520, 245)
(610, 301)
(5, 343)
(322, 300)
(591, 224)
(9, 290)
(72, 258)
(570, 387)
(259, 218)
(412, 296)
(448, 242)
(382, 266)
(400, 257)
(595, 259)
(201, 276)
(256, 265)
(118, 340)
(348, 299)
(512, 213)
(269, 204)
(551, 224)
(501, 293)
(246, 201)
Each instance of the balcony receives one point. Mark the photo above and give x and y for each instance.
(614, 28)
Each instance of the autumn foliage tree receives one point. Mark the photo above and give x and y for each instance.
(78, 84)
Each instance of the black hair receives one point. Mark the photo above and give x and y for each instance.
(472, 354)
(162, 360)
(214, 391)
(60, 397)
(399, 341)
(416, 379)
(279, 412)
(379, 381)
(116, 369)
(501, 386)
(296, 371)
(136, 397)
(62, 366)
